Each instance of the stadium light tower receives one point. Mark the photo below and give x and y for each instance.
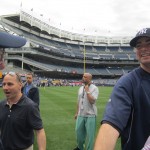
(84, 60)
(84, 53)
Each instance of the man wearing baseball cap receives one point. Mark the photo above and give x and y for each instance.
(127, 114)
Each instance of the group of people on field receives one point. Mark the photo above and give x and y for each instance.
(126, 114)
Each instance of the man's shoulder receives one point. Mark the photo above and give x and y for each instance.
(131, 76)
(27, 101)
(93, 86)
(81, 87)
(2, 102)
(33, 87)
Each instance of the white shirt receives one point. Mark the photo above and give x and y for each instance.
(87, 109)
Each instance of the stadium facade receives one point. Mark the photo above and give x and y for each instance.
(56, 53)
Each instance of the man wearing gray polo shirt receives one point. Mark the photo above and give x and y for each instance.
(86, 113)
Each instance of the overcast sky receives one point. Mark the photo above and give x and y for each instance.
(94, 17)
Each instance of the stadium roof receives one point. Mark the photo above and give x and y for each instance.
(25, 20)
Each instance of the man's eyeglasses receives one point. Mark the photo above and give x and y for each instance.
(11, 73)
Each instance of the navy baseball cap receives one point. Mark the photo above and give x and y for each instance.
(142, 33)
(11, 41)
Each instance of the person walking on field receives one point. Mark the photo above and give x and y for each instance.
(86, 113)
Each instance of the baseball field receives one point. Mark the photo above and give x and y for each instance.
(57, 108)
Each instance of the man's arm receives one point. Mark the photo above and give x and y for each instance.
(35, 95)
(106, 138)
(41, 139)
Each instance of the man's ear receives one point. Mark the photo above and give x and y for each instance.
(21, 84)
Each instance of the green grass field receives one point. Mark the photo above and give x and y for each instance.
(58, 106)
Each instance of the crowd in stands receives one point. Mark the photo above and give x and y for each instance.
(46, 82)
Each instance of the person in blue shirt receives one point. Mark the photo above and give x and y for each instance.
(127, 114)
(30, 90)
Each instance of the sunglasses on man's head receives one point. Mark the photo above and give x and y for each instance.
(11, 73)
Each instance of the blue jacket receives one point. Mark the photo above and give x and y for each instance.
(128, 109)
(33, 93)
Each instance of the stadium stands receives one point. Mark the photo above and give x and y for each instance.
(52, 53)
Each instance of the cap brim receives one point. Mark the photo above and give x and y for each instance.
(11, 41)
(134, 41)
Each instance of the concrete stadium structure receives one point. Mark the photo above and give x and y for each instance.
(53, 52)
